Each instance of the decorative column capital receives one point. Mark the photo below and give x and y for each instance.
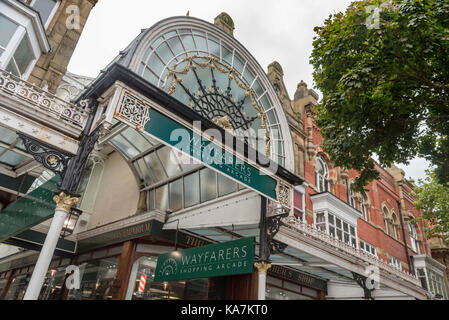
(65, 202)
(262, 266)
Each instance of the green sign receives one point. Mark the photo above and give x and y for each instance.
(221, 259)
(161, 127)
(28, 211)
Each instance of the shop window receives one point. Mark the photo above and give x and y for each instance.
(54, 285)
(142, 287)
(97, 278)
(18, 287)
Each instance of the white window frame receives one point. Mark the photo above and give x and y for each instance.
(364, 245)
(302, 191)
(24, 26)
(395, 262)
(322, 177)
(52, 13)
(414, 238)
(325, 227)
(363, 209)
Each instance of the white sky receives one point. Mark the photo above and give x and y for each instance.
(271, 30)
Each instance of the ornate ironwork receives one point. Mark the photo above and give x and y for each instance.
(218, 104)
(361, 281)
(77, 163)
(133, 110)
(273, 225)
(283, 193)
(41, 99)
(51, 158)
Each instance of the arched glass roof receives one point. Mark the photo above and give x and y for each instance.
(208, 70)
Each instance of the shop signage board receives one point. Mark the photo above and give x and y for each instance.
(214, 260)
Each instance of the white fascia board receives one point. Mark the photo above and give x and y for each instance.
(328, 202)
(425, 261)
(38, 28)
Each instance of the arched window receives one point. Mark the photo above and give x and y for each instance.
(363, 207)
(385, 216)
(394, 223)
(321, 175)
(413, 237)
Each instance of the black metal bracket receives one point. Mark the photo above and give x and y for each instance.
(273, 225)
(68, 166)
(361, 281)
(50, 157)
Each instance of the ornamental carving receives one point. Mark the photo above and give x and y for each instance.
(64, 202)
(41, 99)
(284, 194)
(262, 267)
(133, 110)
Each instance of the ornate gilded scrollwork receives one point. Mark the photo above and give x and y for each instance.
(218, 104)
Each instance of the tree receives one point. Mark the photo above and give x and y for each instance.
(385, 85)
(433, 201)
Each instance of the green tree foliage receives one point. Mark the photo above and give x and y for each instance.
(433, 201)
(385, 87)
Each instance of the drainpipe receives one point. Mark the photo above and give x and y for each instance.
(410, 267)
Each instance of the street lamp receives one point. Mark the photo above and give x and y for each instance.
(70, 222)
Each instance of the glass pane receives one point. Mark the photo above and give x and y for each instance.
(161, 201)
(13, 159)
(23, 55)
(338, 223)
(124, 146)
(225, 185)
(156, 169)
(151, 199)
(44, 7)
(352, 230)
(137, 139)
(8, 28)
(7, 136)
(176, 195)
(191, 189)
(331, 219)
(208, 184)
(345, 227)
(11, 67)
(332, 231)
(170, 163)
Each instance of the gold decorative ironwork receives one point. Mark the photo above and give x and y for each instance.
(64, 202)
(193, 62)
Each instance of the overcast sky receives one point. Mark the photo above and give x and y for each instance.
(271, 30)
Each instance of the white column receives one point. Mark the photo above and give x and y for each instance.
(63, 205)
(262, 268)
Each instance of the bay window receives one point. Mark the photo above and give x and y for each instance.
(22, 38)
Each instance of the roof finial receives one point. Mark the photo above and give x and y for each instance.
(188, 13)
